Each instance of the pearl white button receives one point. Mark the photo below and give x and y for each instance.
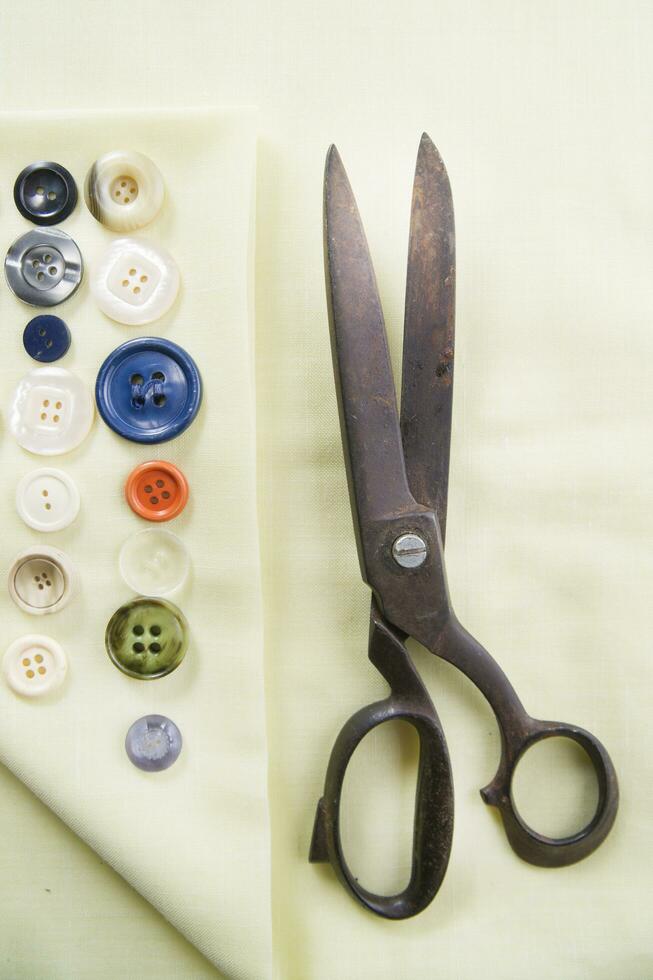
(124, 190)
(41, 580)
(154, 562)
(51, 411)
(34, 665)
(47, 499)
(135, 282)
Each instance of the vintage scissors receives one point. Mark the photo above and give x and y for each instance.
(398, 475)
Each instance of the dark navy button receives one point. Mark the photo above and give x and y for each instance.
(148, 390)
(46, 338)
(45, 193)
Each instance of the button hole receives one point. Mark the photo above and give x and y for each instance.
(137, 379)
(138, 630)
(155, 630)
(159, 400)
(155, 648)
(138, 647)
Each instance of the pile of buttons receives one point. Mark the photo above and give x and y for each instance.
(148, 391)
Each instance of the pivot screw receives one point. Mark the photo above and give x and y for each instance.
(409, 550)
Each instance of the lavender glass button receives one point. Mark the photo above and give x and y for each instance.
(153, 743)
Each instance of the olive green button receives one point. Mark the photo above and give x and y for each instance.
(147, 638)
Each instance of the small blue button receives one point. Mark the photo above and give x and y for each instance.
(148, 390)
(46, 338)
(153, 743)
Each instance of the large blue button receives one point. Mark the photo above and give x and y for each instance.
(46, 338)
(148, 390)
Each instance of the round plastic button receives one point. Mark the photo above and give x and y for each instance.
(41, 580)
(157, 491)
(47, 499)
(135, 282)
(148, 390)
(154, 562)
(34, 665)
(147, 638)
(124, 190)
(45, 193)
(46, 338)
(51, 411)
(153, 743)
(43, 268)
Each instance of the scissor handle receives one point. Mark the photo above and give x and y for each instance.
(518, 733)
(552, 852)
(433, 824)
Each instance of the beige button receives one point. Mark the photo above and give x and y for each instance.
(41, 580)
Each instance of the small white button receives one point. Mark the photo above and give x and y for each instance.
(47, 499)
(41, 580)
(51, 411)
(135, 282)
(124, 190)
(34, 665)
(154, 562)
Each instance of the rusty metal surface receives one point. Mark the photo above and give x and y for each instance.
(429, 320)
(393, 495)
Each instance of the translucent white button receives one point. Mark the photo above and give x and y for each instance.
(34, 665)
(153, 743)
(154, 562)
(51, 411)
(135, 282)
(47, 499)
(41, 580)
(124, 190)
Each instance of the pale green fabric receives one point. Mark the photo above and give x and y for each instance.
(193, 840)
(542, 113)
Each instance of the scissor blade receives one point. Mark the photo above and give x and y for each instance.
(369, 420)
(427, 376)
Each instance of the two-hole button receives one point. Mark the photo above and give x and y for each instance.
(46, 338)
(45, 193)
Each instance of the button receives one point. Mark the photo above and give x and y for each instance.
(154, 562)
(148, 390)
(135, 282)
(157, 491)
(34, 665)
(42, 580)
(153, 743)
(43, 268)
(147, 638)
(124, 190)
(45, 193)
(46, 338)
(47, 499)
(51, 411)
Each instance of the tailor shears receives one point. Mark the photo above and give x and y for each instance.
(398, 473)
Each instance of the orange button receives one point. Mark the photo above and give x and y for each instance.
(157, 491)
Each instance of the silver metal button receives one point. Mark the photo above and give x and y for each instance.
(44, 267)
